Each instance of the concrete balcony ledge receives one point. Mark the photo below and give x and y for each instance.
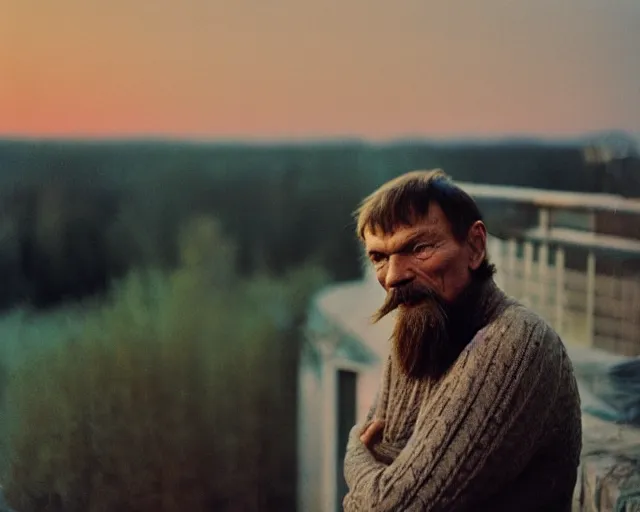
(609, 476)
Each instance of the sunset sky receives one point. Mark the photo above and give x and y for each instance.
(325, 68)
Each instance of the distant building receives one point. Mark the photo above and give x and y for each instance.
(615, 158)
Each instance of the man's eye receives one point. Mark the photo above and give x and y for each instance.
(376, 258)
(423, 248)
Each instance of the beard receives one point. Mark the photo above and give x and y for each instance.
(426, 338)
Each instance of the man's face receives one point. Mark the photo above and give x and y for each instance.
(425, 254)
(424, 269)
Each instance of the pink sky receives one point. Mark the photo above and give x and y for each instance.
(297, 68)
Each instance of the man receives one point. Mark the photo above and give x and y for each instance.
(478, 408)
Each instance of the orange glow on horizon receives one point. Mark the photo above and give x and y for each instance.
(340, 69)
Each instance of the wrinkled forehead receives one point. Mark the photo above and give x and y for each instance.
(390, 226)
(381, 236)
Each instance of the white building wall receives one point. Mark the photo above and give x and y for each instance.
(317, 420)
(310, 442)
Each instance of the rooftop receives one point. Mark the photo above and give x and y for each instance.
(351, 306)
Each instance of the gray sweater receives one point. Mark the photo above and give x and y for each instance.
(501, 431)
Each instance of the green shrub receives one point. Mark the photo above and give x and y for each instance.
(177, 395)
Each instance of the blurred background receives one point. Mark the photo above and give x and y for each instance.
(176, 188)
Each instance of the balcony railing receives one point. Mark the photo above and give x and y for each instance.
(584, 282)
(585, 307)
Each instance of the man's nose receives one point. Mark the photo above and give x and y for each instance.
(398, 272)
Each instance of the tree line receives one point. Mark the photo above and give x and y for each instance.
(75, 216)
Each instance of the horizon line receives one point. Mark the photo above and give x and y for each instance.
(315, 140)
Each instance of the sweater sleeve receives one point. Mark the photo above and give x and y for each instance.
(476, 433)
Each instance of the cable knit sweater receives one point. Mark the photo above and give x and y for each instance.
(501, 431)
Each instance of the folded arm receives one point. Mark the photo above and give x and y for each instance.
(478, 431)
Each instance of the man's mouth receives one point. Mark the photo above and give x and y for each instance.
(412, 302)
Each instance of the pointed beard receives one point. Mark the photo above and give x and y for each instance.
(421, 342)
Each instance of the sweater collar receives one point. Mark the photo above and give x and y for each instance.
(478, 305)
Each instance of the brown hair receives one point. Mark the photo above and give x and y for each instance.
(405, 200)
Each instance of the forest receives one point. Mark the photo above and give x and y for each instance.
(75, 216)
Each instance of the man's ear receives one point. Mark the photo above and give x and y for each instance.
(477, 242)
